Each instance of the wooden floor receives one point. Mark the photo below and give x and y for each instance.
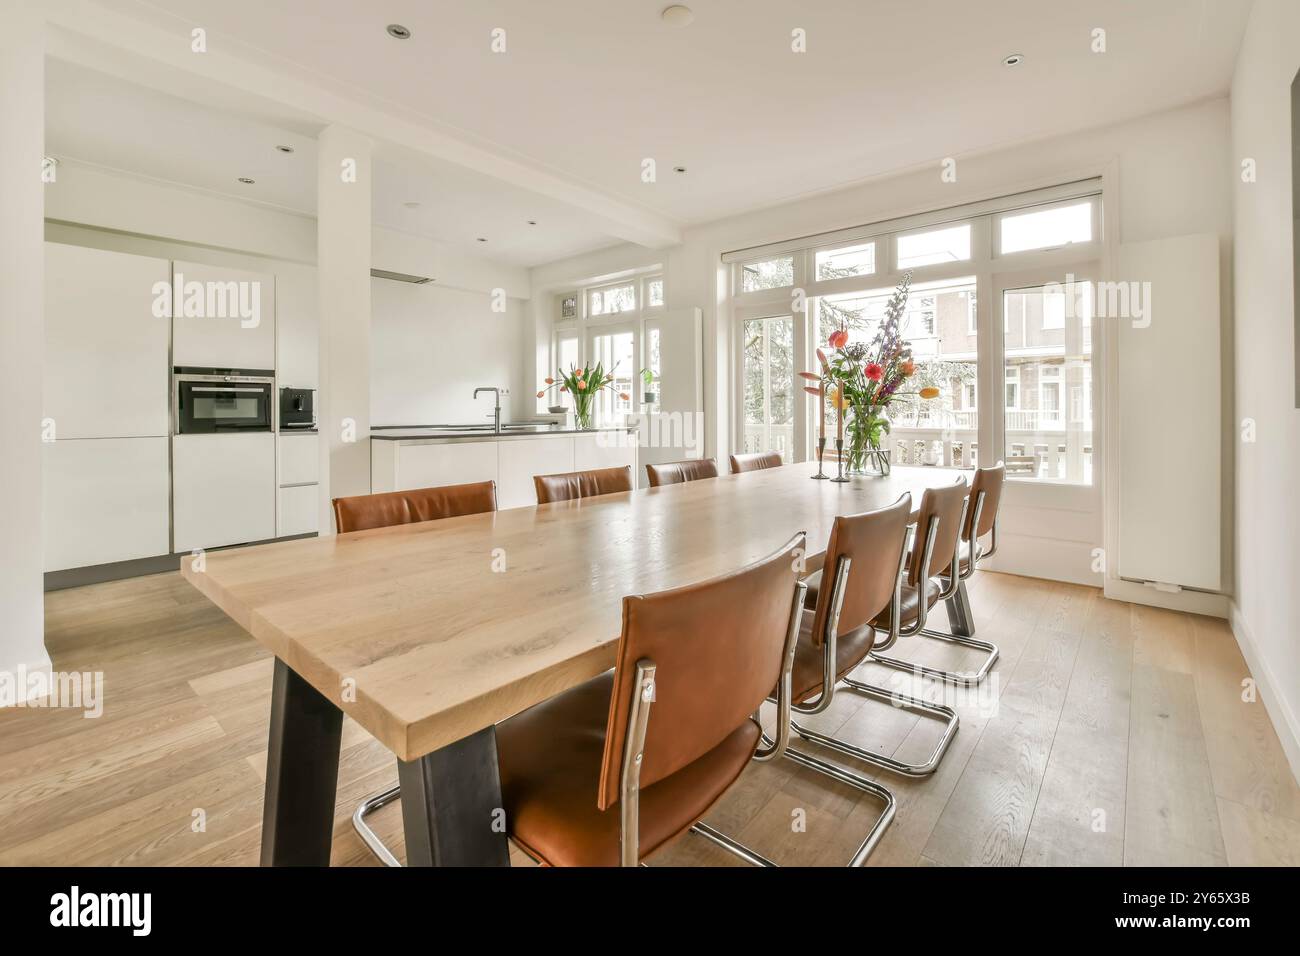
(1107, 734)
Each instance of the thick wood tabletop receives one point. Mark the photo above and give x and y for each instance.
(426, 633)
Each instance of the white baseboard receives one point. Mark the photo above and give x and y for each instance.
(1278, 707)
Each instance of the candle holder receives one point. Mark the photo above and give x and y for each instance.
(821, 452)
(839, 452)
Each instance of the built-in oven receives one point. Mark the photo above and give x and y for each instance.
(209, 400)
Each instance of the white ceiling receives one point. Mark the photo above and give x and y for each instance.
(587, 89)
(95, 118)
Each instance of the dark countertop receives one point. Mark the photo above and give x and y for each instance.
(461, 433)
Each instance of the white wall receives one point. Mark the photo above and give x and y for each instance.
(432, 346)
(22, 270)
(1267, 614)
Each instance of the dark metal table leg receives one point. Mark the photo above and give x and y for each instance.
(960, 620)
(451, 805)
(302, 769)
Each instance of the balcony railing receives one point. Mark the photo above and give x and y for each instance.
(1058, 454)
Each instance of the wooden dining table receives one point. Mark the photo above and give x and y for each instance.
(430, 634)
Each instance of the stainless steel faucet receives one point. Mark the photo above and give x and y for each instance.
(496, 411)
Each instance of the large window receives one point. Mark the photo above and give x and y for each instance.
(1035, 337)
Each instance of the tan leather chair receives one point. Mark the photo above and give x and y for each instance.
(755, 462)
(582, 484)
(608, 772)
(677, 472)
(981, 519)
(871, 574)
(361, 512)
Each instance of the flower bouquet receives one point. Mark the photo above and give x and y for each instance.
(584, 383)
(862, 379)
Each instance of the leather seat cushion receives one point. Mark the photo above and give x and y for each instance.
(550, 758)
(850, 650)
(910, 608)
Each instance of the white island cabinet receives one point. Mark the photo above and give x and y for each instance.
(412, 458)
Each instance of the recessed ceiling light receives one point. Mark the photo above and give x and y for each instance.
(679, 169)
(411, 204)
(246, 181)
(677, 15)
(532, 222)
(397, 31)
(284, 149)
(481, 239)
(1015, 59)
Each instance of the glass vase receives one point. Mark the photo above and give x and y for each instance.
(865, 451)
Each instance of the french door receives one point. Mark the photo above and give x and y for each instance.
(617, 348)
(771, 351)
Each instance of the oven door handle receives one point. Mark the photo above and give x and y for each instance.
(203, 388)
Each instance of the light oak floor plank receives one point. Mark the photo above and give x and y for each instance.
(1093, 704)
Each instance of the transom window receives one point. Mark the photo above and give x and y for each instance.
(611, 299)
(775, 273)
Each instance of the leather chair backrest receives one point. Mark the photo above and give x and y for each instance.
(718, 647)
(676, 472)
(755, 462)
(582, 484)
(360, 512)
(945, 504)
(874, 543)
(989, 481)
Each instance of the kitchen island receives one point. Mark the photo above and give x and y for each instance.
(431, 455)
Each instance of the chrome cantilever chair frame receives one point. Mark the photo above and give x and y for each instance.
(896, 699)
(630, 780)
(959, 612)
(780, 748)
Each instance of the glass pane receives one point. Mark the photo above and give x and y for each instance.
(654, 292)
(619, 298)
(566, 357)
(613, 350)
(951, 244)
(1045, 228)
(848, 261)
(768, 274)
(1048, 392)
(944, 349)
(651, 393)
(768, 382)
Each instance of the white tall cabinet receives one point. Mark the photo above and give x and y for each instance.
(105, 408)
(235, 325)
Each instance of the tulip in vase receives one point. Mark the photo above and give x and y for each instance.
(584, 384)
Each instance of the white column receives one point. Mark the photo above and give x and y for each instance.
(343, 236)
(22, 335)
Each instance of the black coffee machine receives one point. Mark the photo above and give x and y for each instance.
(297, 408)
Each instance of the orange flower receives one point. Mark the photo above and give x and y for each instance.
(582, 386)
(812, 391)
(550, 381)
(625, 396)
(838, 339)
(839, 399)
(929, 392)
(810, 376)
(909, 368)
(564, 388)
(541, 393)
